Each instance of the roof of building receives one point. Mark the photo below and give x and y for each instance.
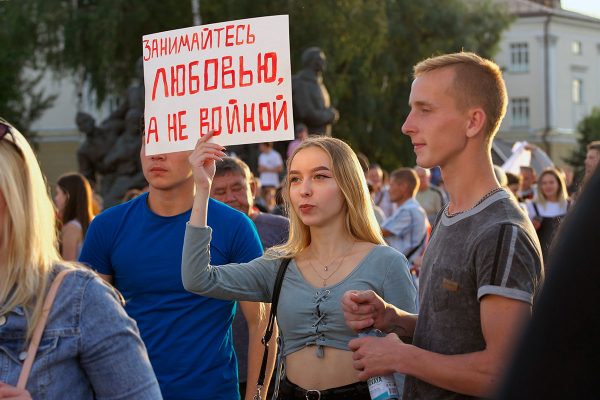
(527, 8)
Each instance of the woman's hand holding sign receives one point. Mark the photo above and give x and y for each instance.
(202, 161)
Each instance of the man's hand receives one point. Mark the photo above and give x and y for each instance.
(363, 309)
(377, 356)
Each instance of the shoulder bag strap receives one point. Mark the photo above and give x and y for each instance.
(269, 331)
(39, 329)
(417, 247)
(535, 208)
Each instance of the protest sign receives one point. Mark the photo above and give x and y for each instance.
(232, 77)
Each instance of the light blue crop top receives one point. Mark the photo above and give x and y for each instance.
(307, 316)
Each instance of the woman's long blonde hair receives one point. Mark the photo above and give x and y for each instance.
(28, 240)
(360, 218)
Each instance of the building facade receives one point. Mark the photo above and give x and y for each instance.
(551, 63)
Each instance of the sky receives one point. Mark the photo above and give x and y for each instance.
(590, 7)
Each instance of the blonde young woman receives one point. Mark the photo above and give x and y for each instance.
(549, 207)
(90, 348)
(335, 245)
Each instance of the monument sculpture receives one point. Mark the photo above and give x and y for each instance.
(311, 102)
(98, 142)
(109, 156)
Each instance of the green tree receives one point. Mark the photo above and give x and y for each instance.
(371, 47)
(589, 130)
(21, 100)
(99, 41)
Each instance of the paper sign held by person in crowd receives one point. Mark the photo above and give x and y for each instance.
(232, 77)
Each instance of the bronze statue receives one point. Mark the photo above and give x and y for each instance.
(98, 142)
(122, 162)
(311, 102)
(111, 152)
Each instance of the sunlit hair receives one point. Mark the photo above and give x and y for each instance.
(595, 145)
(28, 247)
(561, 193)
(478, 82)
(409, 176)
(347, 172)
(79, 204)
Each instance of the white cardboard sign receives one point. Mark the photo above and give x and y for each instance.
(232, 77)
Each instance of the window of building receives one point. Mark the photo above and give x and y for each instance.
(576, 47)
(519, 57)
(519, 108)
(577, 91)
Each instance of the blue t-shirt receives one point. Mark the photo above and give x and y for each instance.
(188, 337)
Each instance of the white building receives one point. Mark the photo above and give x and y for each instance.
(551, 63)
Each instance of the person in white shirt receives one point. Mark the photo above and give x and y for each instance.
(270, 165)
(407, 228)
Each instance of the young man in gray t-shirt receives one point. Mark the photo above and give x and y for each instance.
(482, 269)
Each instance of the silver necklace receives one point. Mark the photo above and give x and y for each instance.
(486, 196)
(326, 267)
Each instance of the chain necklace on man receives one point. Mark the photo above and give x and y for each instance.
(327, 266)
(486, 196)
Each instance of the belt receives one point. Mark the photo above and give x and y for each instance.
(354, 391)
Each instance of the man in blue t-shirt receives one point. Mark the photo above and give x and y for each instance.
(137, 247)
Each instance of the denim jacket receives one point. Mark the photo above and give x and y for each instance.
(90, 348)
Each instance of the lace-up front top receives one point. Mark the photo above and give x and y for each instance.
(307, 315)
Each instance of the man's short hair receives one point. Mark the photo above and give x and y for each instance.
(513, 179)
(477, 82)
(595, 145)
(231, 165)
(407, 175)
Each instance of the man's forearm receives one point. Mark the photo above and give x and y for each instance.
(474, 374)
(400, 322)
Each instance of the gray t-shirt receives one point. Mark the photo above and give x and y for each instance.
(491, 249)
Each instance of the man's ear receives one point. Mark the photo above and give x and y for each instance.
(476, 122)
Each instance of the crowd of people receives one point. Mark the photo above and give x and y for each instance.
(171, 293)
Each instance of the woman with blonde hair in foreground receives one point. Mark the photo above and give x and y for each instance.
(89, 349)
(334, 245)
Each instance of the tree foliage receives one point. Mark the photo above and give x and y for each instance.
(21, 100)
(589, 130)
(371, 46)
